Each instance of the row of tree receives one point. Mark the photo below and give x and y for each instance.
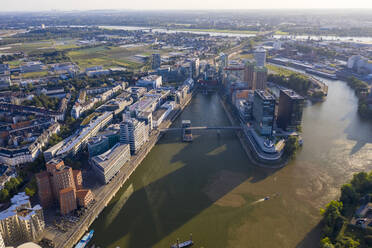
(296, 81)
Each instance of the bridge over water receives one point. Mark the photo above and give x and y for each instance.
(200, 128)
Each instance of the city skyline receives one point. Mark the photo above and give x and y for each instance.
(44, 5)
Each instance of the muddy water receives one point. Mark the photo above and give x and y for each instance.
(210, 189)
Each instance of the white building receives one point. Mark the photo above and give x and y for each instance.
(75, 142)
(135, 133)
(21, 222)
(260, 56)
(151, 81)
(108, 164)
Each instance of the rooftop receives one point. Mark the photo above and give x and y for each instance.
(265, 95)
(292, 94)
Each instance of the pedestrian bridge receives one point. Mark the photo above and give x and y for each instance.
(200, 128)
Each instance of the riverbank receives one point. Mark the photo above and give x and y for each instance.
(107, 192)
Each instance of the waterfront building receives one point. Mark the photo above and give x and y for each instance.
(151, 81)
(290, 110)
(108, 164)
(133, 132)
(260, 56)
(156, 61)
(250, 75)
(21, 222)
(84, 197)
(67, 199)
(260, 78)
(263, 112)
(59, 183)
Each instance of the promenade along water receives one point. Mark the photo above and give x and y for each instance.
(210, 189)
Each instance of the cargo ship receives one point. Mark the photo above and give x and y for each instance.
(85, 240)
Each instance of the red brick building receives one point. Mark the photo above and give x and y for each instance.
(84, 197)
(67, 200)
(45, 189)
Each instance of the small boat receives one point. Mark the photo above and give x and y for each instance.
(267, 198)
(85, 240)
(187, 243)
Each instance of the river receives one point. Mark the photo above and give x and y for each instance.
(236, 33)
(209, 187)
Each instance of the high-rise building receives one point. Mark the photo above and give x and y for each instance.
(260, 56)
(67, 200)
(263, 112)
(260, 78)
(250, 76)
(156, 61)
(195, 67)
(224, 60)
(290, 110)
(21, 222)
(133, 132)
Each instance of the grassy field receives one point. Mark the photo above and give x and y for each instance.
(279, 70)
(107, 56)
(39, 46)
(35, 74)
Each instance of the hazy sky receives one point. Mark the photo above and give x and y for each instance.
(35, 5)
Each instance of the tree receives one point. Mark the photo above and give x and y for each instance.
(4, 195)
(326, 243)
(349, 198)
(291, 146)
(29, 192)
(333, 220)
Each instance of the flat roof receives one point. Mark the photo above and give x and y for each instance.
(105, 160)
(292, 94)
(265, 95)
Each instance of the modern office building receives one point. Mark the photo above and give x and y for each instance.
(109, 163)
(72, 144)
(195, 67)
(263, 112)
(260, 56)
(151, 81)
(21, 222)
(250, 75)
(133, 132)
(97, 145)
(260, 78)
(224, 60)
(290, 110)
(156, 61)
